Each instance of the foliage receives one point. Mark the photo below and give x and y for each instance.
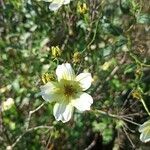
(108, 38)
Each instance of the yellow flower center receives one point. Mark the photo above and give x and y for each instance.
(69, 89)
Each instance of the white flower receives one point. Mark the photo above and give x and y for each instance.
(145, 131)
(56, 4)
(7, 104)
(68, 92)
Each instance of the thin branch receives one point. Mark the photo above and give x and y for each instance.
(27, 131)
(129, 138)
(115, 116)
(48, 141)
(106, 113)
(126, 109)
(133, 114)
(125, 102)
(138, 61)
(88, 45)
(30, 114)
(130, 121)
(94, 36)
(125, 125)
(93, 143)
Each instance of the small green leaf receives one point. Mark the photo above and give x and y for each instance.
(107, 51)
(143, 19)
(107, 135)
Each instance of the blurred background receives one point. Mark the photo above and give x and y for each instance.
(109, 38)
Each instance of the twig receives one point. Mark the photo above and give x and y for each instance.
(27, 131)
(48, 142)
(125, 102)
(130, 121)
(128, 137)
(126, 109)
(133, 114)
(91, 145)
(138, 61)
(30, 114)
(115, 116)
(89, 43)
(133, 131)
(106, 113)
(93, 38)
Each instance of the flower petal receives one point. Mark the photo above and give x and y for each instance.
(83, 102)
(62, 112)
(145, 131)
(66, 1)
(55, 5)
(65, 71)
(46, 0)
(48, 91)
(144, 126)
(85, 80)
(145, 137)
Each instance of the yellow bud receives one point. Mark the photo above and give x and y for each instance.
(108, 64)
(138, 72)
(56, 52)
(47, 78)
(81, 8)
(136, 94)
(76, 57)
(84, 7)
(95, 79)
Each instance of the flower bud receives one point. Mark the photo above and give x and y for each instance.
(76, 57)
(47, 77)
(56, 52)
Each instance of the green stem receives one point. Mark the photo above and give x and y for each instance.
(94, 36)
(138, 61)
(144, 104)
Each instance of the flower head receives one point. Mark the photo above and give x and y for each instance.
(56, 4)
(68, 92)
(6, 105)
(81, 7)
(145, 131)
(56, 52)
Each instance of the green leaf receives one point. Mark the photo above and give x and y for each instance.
(129, 69)
(107, 135)
(99, 126)
(107, 51)
(143, 19)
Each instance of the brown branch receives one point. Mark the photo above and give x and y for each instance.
(30, 114)
(10, 147)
